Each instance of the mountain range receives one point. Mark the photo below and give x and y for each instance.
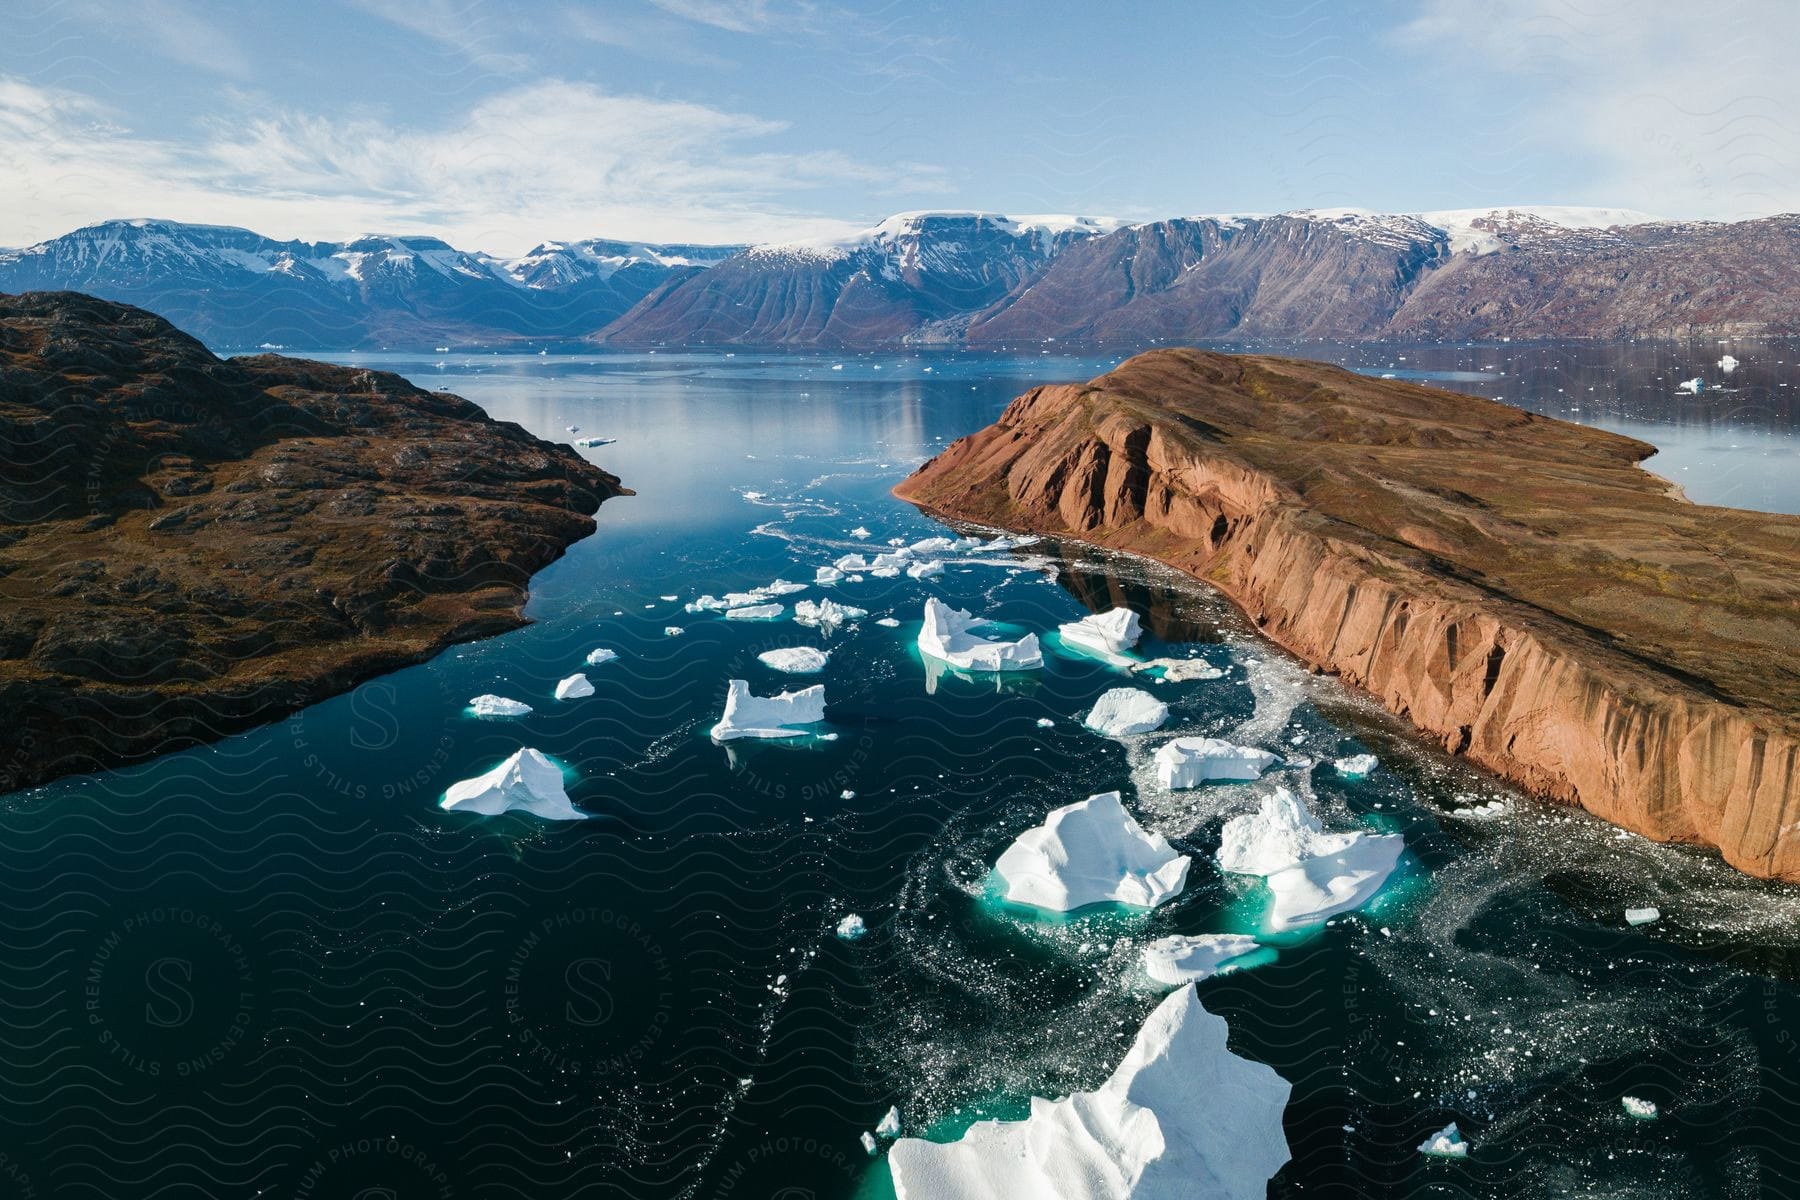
(967, 279)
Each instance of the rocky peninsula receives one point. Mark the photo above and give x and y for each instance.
(190, 546)
(1516, 586)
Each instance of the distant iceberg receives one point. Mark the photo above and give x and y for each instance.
(1191, 761)
(490, 705)
(1180, 1117)
(1091, 852)
(1178, 959)
(795, 660)
(946, 637)
(1313, 875)
(1123, 711)
(526, 782)
(574, 688)
(748, 715)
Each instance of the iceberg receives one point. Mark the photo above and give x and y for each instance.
(868, 1143)
(933, 545)
(1091, 852)
(1112, 632)
(1642, 916)
(826, 614)
(1445, 1143)
(1181, 670)
(1356, 766)
(1178, 959)
(601, 655)
(1312, 875)
(748, 715)
(852, 562)
(946, 637)
(755, 612)
(1728, 364)
(859, 531)
(574, 688)
(851, 928)
(1123, 711)
(889, 1125)
(1190, 761)
(890, 562)
(779, 587)
(673, 631)
(1692, 387)
(795, 660)
(490, 705)
(1181, 1116)
(926, 570)
(825, 575)
(526, 782)
(1643, 1110)
(888, 623)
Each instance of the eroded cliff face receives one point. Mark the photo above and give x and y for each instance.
(1515, 586)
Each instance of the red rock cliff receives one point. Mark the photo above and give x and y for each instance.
(1515, 586)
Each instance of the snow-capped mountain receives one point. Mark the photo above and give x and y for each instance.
(234, 287)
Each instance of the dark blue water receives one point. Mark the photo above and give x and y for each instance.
(273, 967)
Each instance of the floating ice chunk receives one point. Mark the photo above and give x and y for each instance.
(825, 575)
(574, 688)
(1112, 632)
(1046, 723)
(1728, 364)
(1190, 761)
(706, 604)
(889, 1125)
(526, 782)
(1642, 916)
(1312, 875)
(756, 612)
(1181, 670)
(846, 794)
(827, 614)
(748, 715)
(1123, 711)
(859, 531)
(1643, 1110)
(1692, 387)
(1091, 852)
(884, 572)
(851, 928)
(779, 587)
(669, 598)
(1181, 1116)
(490, 705)
(933, 545)
(673, 631)
(597, 657)
(1445, 1143)
(868, 1140)
(1176, 959)
(1482, 812)
(888, 623)
(852, 562)
(795, 660)
(1356, 765)
(946, 637)
(926, 570)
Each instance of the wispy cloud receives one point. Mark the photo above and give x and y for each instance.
(171, 29)
(745, 16)
(472, 29)
(547, 159)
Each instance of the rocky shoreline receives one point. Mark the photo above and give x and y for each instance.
(1516, 586)
(192, 546)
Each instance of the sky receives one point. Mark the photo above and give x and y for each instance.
(501, 125)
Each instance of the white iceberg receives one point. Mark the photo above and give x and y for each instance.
(1112, 632)
(884, 572)
(859, 531)
(1091, 852)
(888, 623)
(851, 928)
(526, 782)
(826, 614)
(1181, 1116)
(889, 1125)
(1179, 959)
(946, 637)
(490, 705)
(1356, 765)
(779, 587)
(748, 715)
(1312, 875)
(574, 688)
(826, 575)
(1122, 711)
(673, 631)
(926, 570)
(1445, 1143)
(1643, 1110)
(1046, 723)
(706, 604)
(601, 655)
(1181, 670)
(1728, 364)
(933, 545)
(868, 1143)
(755, 612)
(890, 561)
(852, 562)
(1642, 916)
(1692, 387)
(1191, 761)
(795, 660)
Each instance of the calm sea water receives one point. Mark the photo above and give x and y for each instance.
(273, 967)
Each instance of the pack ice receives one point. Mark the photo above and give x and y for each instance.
(1313, 875)
(1123, 711)
(1181, 1116)
(1091, 852)
(795, 660)
(748, 715)
(490, 705)
(946, 637)
(526, 782)
(1179, 959)
(1191, 761)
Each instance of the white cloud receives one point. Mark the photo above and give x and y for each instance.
(171, 29)
(1677, 108)
(547, 159)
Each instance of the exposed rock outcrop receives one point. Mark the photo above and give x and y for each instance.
(190, 546)
(1518, 587)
